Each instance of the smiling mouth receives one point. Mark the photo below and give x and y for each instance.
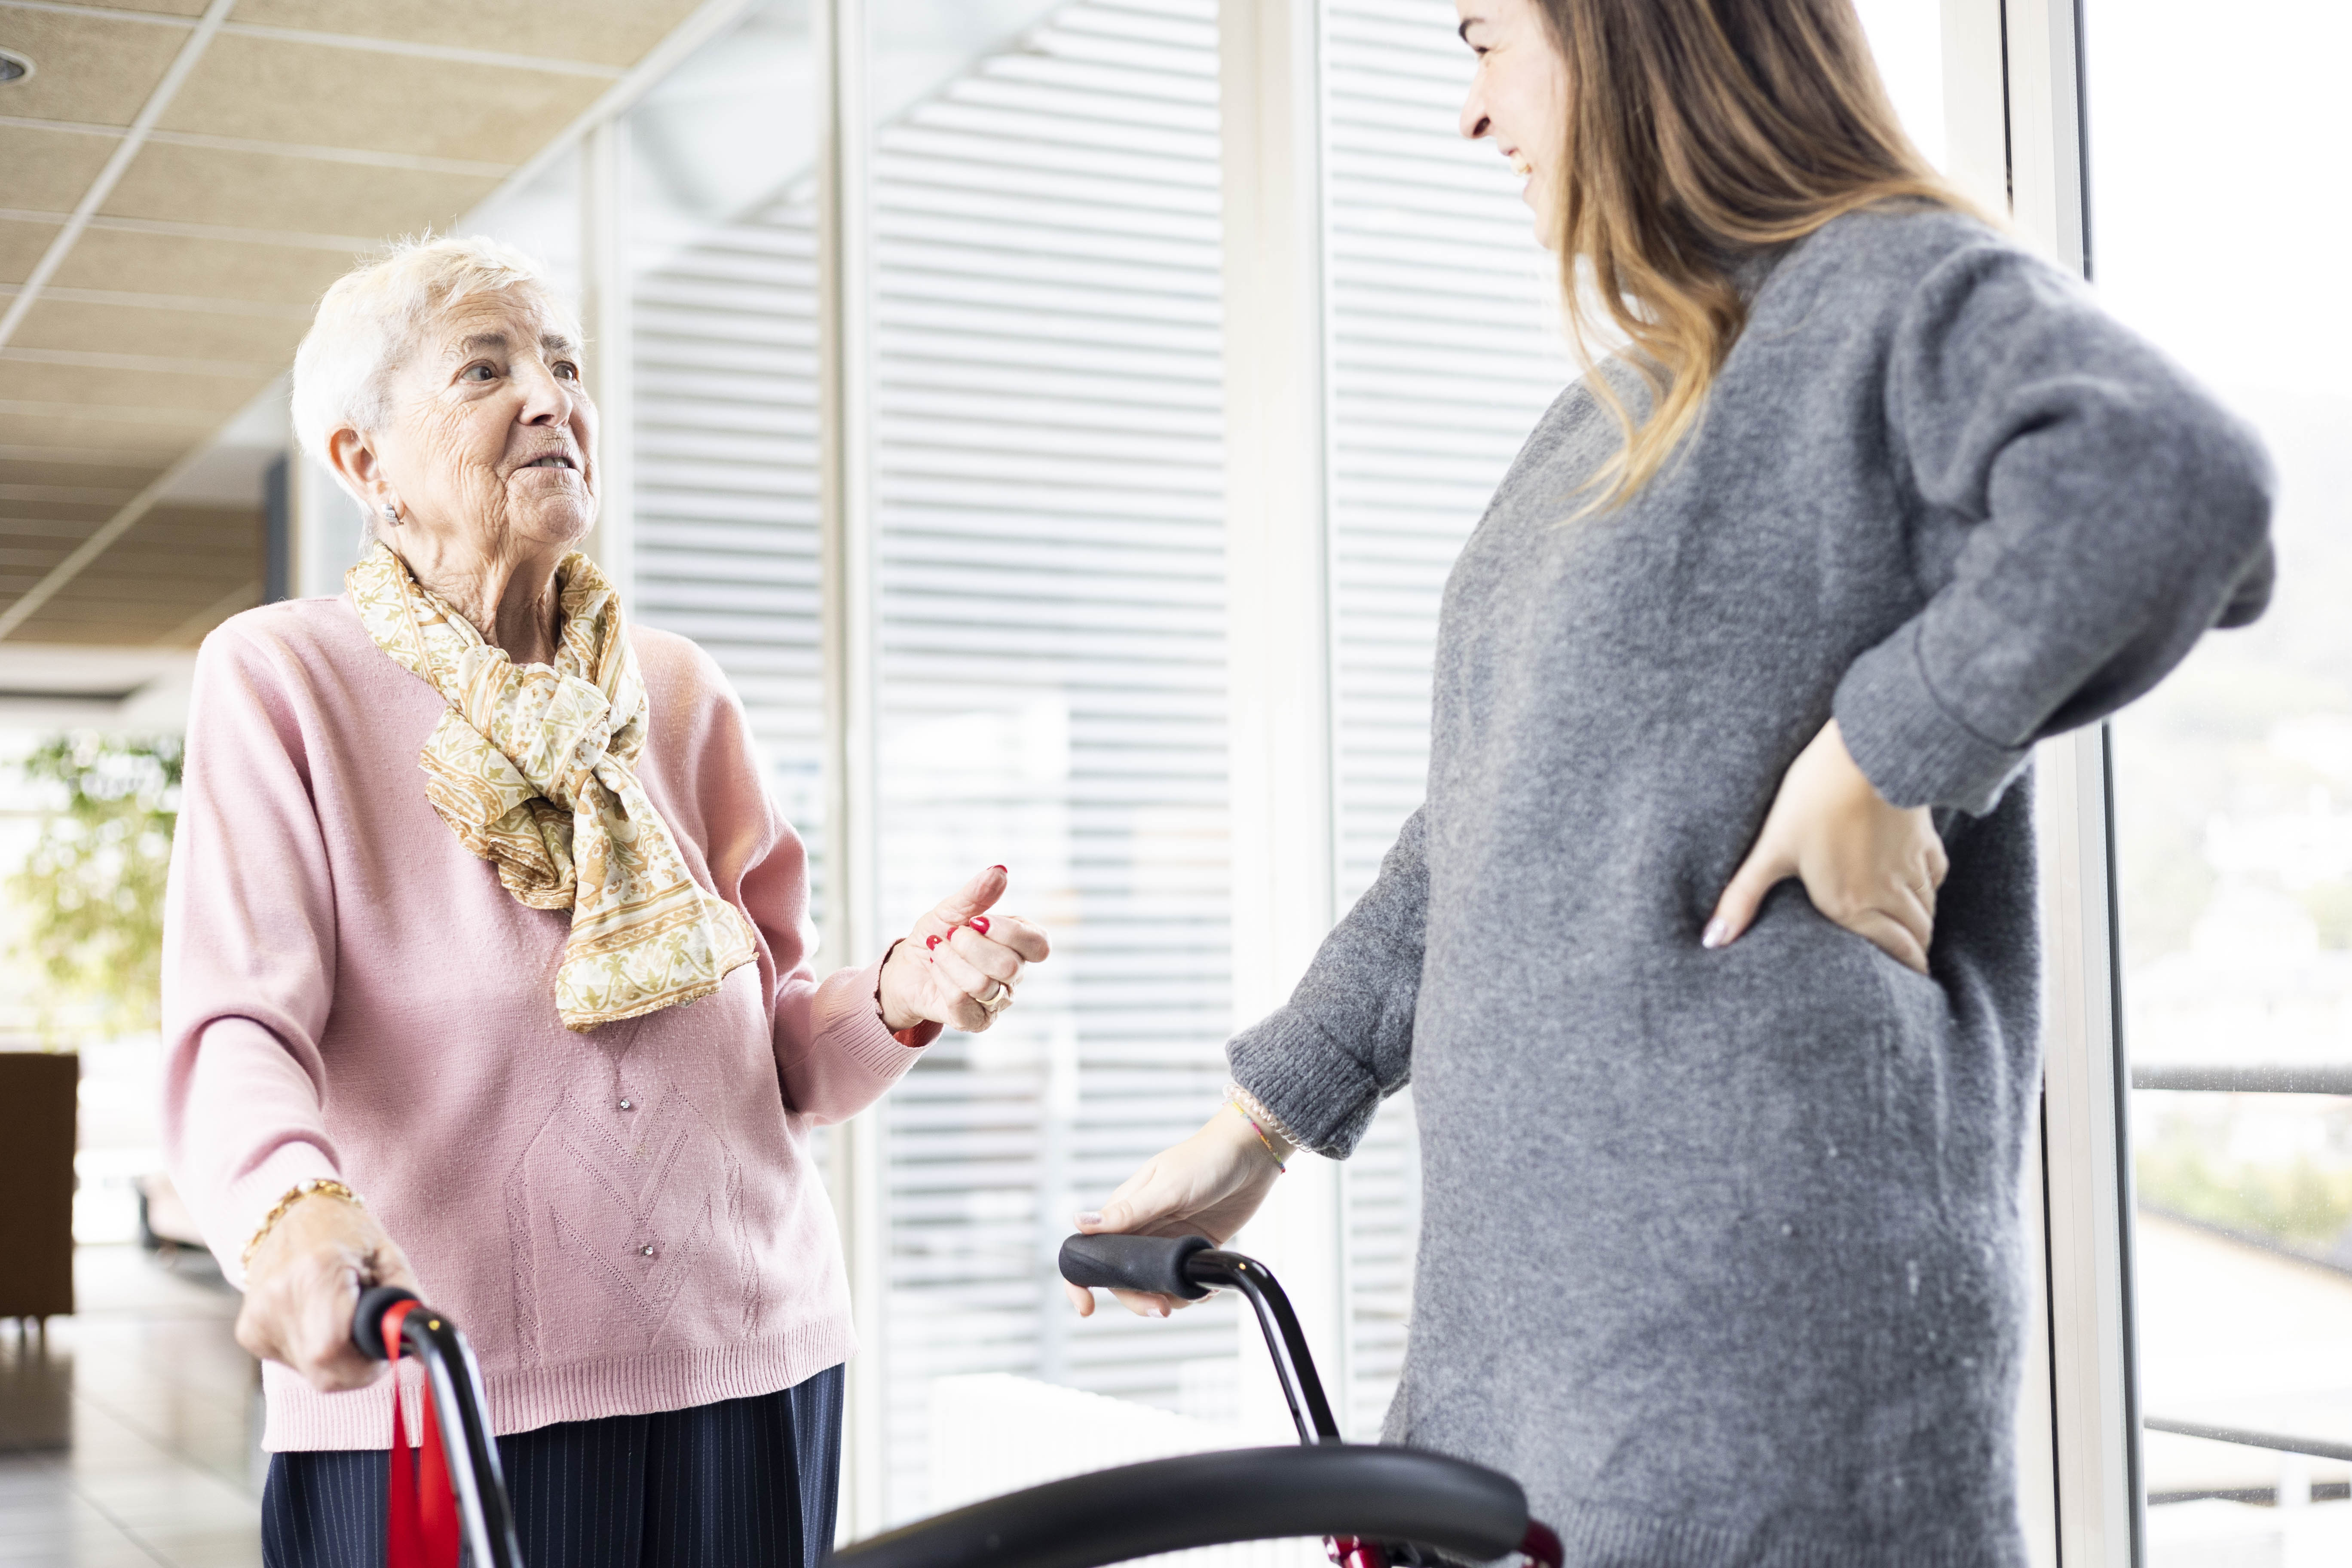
(1519, 162)
(552, 460)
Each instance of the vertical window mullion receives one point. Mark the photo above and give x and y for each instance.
(2087, 1183)
(850, 932)
(1278, 612)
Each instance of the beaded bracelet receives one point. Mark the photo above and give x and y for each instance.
(1279, 1168)
(322, 1186)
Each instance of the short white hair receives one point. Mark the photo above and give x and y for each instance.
(370, 320)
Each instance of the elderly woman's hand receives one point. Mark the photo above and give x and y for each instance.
(1872, 867)
(960, 966)
(304, 1285)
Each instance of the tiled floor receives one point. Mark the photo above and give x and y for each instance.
(128, 1436)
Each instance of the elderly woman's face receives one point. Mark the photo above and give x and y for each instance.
(492, 431)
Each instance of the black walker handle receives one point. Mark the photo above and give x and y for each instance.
(1151, 1263)
(455, 1384)
(367, 1323)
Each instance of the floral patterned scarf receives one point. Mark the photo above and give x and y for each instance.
(529, 767)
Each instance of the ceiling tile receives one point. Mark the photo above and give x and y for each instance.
(176, 567)
(50, 170)
(84, 514)
(75, 385)
(271, 90)
(153, 437)
(92, 69)
(92, 488)
(606, 32)
(21, 245)
(219, 269)
(52, 323)
(153, 7)
(297, 195)
(40, 471)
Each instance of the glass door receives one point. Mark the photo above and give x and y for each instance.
(2215, 142)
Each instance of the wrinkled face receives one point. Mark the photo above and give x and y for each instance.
(491, 432)
(1518, 99)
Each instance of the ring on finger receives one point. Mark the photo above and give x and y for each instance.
(998, 1001)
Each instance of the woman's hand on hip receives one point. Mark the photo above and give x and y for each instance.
(960, 966)
(1208, 1185)
(304, 1285)
(1872, 867)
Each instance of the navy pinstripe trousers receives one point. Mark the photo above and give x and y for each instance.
(745, 1483)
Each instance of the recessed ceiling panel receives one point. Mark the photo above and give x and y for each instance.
(28, 474)
(606, 32)
(176, 575)
(87, 511)
(224, 268)
(139, 434)
(272, 90)
(21, 245)
(262, 341)
(89, 67)
(296, 195)
(47, 171)
(151, 7)
(77, 383)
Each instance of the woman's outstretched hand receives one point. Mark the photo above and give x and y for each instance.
(1872, 867)
(960, 966)
(304, 1284)
(1208, 1185)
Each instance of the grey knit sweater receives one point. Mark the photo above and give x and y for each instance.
(1720, 1250)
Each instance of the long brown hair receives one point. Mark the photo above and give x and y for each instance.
(1699, 134)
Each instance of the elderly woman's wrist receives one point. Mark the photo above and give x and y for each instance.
(896, 1015)
(310, 1187)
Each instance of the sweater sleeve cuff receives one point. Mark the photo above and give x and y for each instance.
(1322, 1095)
(1914, 749)
(849, 1020)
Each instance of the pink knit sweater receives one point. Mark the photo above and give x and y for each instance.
(623, 1221)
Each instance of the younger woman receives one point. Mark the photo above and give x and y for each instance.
(1711, 954)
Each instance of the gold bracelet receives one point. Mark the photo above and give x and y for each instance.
(323, 1185)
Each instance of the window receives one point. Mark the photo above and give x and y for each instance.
(1048, 485)
(2233, 794)
(714, 408)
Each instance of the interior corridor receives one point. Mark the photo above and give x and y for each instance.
(129, 1433)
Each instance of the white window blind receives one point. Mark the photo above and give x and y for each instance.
(1048, 480)
(720, 205)
(1444, 350)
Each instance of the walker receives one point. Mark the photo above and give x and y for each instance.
(1376, 1507)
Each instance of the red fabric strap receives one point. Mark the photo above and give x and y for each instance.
(421, 1522)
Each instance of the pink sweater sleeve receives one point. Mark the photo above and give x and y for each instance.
(833, 1054)
(249, 954)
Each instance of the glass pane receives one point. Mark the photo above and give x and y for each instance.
(1047, 473)
(720, 195)
(2235, 788)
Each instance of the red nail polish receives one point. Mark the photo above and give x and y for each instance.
(996, 867)
(931, 941)
(979, 923)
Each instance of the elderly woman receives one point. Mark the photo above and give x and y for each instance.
(488, 975)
